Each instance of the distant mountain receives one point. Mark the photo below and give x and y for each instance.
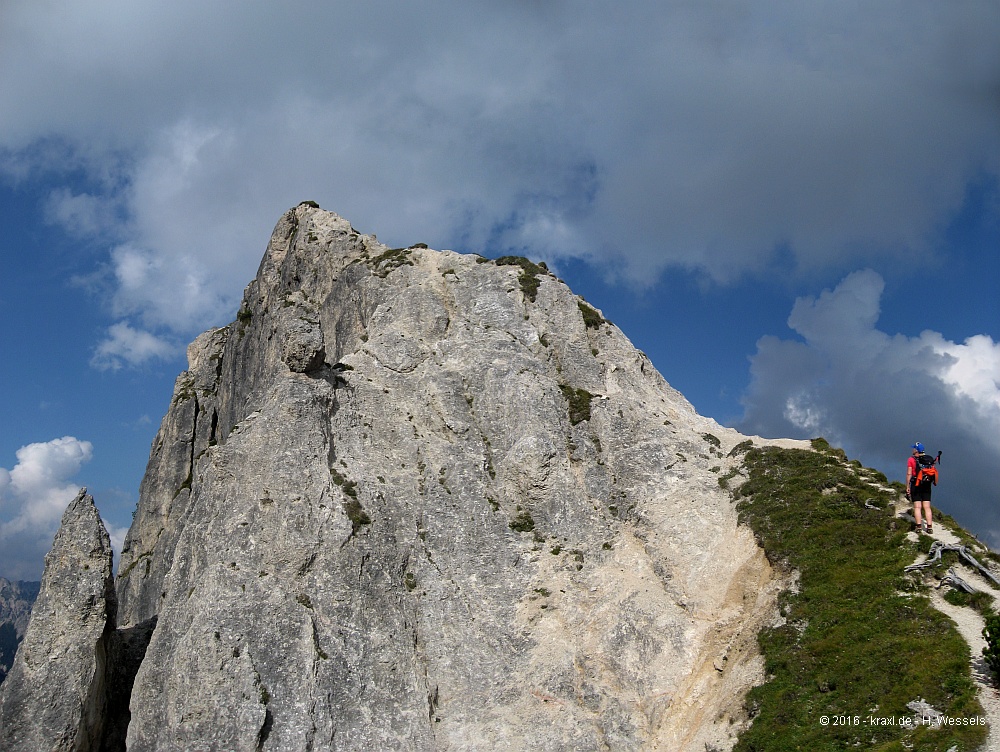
(16, 599)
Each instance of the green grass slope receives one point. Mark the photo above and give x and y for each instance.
(861, 638)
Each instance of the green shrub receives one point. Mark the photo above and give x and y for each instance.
(578, 401)
(528, 278)
(349, 487)
(243, 317)
(742, 447)
(522, 522)
(591, 318)
(356, 514)
(822, 445)
(980, 601)
(394, 258)
(992, 650)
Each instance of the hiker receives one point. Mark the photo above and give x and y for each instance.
(920, 476)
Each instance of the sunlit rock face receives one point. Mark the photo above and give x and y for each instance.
(414, 499)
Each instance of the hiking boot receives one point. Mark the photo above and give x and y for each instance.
(930, 529)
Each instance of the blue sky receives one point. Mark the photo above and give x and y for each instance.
(793, 208)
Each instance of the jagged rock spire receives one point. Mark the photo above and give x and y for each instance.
(54, 696)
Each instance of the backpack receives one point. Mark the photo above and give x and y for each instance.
(926, 472)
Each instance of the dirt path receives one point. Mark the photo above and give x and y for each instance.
(970, 625)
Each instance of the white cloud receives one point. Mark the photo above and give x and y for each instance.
(33, 497)
(975, 367)
(127, 346)
(876, 394)
(81, 214)
(639, 136)
(117, 535)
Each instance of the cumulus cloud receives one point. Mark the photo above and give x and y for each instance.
(876, 394)
(125, 345)
(33, 497)
(640, 136)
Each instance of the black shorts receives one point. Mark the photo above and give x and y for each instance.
(921, 492)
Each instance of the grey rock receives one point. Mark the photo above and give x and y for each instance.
(189, 428)
(413, 499)
(301, 336)
(54, 696)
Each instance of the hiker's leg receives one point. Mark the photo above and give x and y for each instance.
(916, 512)
(927, 512)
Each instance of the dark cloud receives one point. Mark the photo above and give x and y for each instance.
(707, 136)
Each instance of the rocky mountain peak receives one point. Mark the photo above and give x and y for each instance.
(417, 499)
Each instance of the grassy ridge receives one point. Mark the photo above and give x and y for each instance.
(859, 639)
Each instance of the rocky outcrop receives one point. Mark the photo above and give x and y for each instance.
(16, 599)
(54, 696)
(413, 499)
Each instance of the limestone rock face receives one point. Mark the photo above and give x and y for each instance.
(413, 499)
(54, 696)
